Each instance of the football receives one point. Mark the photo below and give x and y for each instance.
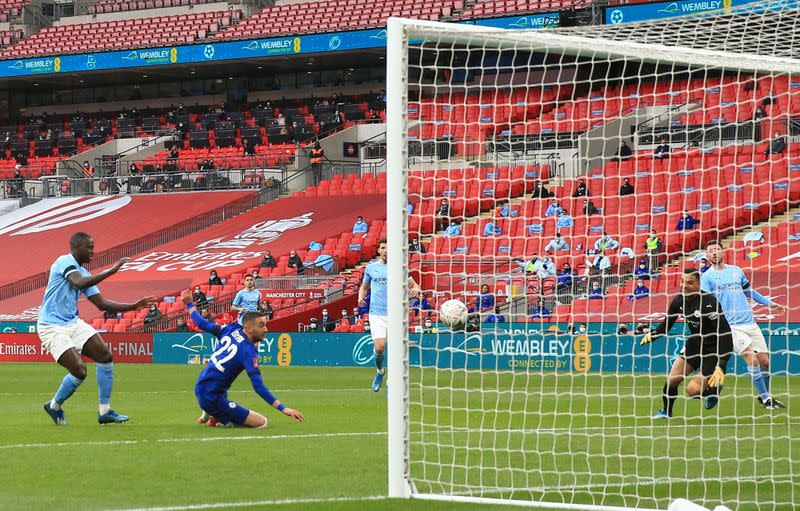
(453, 313)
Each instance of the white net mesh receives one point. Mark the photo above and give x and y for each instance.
(543, 398)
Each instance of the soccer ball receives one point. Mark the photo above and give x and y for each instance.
(453, 313)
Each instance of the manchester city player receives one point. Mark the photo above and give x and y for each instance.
(706, 350)
(237, 351)
(66, 336)
(730, 286)
(247, 299)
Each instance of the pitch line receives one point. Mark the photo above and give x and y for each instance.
(191, 391)
(224, 505)
(192, 440)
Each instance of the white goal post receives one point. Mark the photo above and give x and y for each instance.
(432, 407)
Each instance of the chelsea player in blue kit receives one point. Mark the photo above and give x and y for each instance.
(66, 336)
(237, 351)
(730, 286)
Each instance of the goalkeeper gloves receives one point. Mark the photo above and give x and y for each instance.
(647, 339)
(717, 378)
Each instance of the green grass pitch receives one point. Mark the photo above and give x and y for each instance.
(566, 438)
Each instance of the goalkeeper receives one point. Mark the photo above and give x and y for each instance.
(707, 348)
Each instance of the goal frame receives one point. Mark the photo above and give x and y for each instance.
(399, 32)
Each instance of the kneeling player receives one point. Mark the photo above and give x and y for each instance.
(237, 351)
(707, 349)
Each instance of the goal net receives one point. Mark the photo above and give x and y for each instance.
(559, 182)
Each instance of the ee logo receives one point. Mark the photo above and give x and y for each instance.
(582, 347)
(284, 350)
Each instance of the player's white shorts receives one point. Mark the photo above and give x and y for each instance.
(57, 339)
(378, 326)
(745, 336)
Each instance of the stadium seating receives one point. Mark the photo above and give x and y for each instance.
(107, 6)
(489, 8)
(121, 34)
(9, 9)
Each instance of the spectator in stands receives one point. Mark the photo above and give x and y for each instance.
(581, 190)
(600, 262)
(213, 279)
(596, 292)
(415, 247)
(22, 158)
(345, 319)
(662, 149)
(16, 184)
(268, 261)
(704, 265)
(153, 315)
(147, 184)
(355, 316)
(327, 323)
(606, 242)
(496, 317)
(639, 292)
(776, 146)
(360, 227)
(653, 246)
(544, 268)
(564, 221)
(428, 328)
(172, 158)
(454, 229)
(642, 272)
(623, 153)
(759, 114)
(539, 191)
(769, 99)
(492, 229)
(248, 147)
(641, 328)
(443, 214)
(296, 262)
(265, 308)
(255, 274)
(473, 323)
(557, 244)
(686, 222)
(418, 304)
(589, 208)
(626, 188)
(111, 315)
(565, 276)
(317, 158)
(539, 311)
(88, 170)
(206, 315)
(181, 326)
(199, 298)
(484, 301)
(554, 209)
(313, 326)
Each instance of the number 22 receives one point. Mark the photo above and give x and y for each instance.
(228, 349)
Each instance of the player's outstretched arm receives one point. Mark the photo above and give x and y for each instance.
(662, 328)
(81, 282)
(199, 320)
(266, 395)
(112, 306)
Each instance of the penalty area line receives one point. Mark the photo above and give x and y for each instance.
(275, 502)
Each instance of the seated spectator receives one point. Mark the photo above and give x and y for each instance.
(313, 326)
(181, 326)
(213, 279)
(265, 308)
(540, 311)
(428, 328)
(473, 323)
(554, 209)
(296, 262)
(662, 149)
(492, 229)
(484, 301)
(199, 298)
(416, 304)
(626, 188)
(601, 263)
(496, 317)
(623, 153)
(759, 114)
(686, 222)
(564, 221)
(776, 146)
(557, 244)
(327, 323)
(581, 190)
(589, 208)
(544, 268)
(564, 280)
(606, 242)
(453, 229)
(642, 272)
(355, 316)
(641, 328)
(704, 265)
(268, 261)
(415, 247)
(443, 214)
(249, 150)
(540, 192)
(653, 246)
(640, 291)
(111, 315)
(360, 226)
(580, 329)
(596, 292)
(505, 210)
(207, 315)
(153, 315)
(345, 319)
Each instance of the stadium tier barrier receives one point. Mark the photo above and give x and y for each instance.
(551, 348)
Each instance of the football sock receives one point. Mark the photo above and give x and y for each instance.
(105, 381)
(668, 396)
(758, 381)
(379, 360)
(765, 374)
(68, 387)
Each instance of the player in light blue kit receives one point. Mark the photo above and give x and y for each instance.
(376, 282)
(247, 299)
(730, 286)
(237, 351)
(66, 336)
